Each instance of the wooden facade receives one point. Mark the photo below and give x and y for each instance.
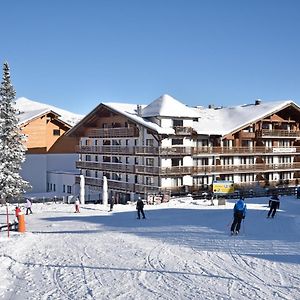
(46, 134)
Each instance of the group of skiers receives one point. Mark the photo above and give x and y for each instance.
(240, 208)
(139, 207)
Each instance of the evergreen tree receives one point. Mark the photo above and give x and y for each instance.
(12, 149)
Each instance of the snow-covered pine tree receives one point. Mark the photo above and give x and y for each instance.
(12, 149)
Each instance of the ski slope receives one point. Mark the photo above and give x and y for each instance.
(183, 250)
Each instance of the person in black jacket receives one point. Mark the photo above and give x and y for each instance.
(140, 208)
(274, 205)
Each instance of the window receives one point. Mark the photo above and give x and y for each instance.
(54, 187)
(56, 132)
(69, 189)
(177, 162)
(88, 173)
(136, 161)
(96, 157)
(177, 123)
(149, 142)
(88, 157)
(64, 188)
(96, 174)
(127, 142)
(136, 142)
(149, 181)
(150, 162)
(127, 160)
(106, 159)
(116, 142)
(177, 141)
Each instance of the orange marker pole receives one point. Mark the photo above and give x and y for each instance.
(21, 219)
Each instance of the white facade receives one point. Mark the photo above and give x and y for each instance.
(41, 170)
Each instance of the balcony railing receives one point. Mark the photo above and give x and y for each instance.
(243, 150)
(185, 151)
(256, 168)
(246, 135)
(113, 132)
(109, 167)
(119, 185)
(119, 150)
(180, 130)
(278, 133)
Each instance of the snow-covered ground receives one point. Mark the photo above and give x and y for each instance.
(181, 251)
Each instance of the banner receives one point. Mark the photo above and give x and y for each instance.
(223, 187)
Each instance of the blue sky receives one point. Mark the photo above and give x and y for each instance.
(76, 54)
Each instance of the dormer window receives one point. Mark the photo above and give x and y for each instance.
(56, 132)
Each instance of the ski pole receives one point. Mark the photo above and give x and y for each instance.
(230, 222)
(243, 226)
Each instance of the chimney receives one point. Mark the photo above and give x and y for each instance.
(139, 110)
(257, 101)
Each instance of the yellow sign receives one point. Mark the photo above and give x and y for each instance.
(223, 187)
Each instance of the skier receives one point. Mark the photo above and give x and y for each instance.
(140, 208)
(274, 205)
(28, 206)
(239, 213)
(77, 206)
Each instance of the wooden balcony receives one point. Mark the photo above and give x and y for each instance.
(246, 135)
(118, 150)
(147, 170)
(184, 151)
(113, 132)
(119, 185)
(175, 151)
(265, 133)
(256, 168)
(203, 151)
(177, 170)
(107, 167)
(180, 130)
(118, 168)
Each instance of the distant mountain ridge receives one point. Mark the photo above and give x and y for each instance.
(30, 107)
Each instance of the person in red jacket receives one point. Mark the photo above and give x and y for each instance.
(17, 211)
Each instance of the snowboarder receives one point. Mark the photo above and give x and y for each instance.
(274, 205)
(239, 213)
(112, 202)
(28, 206)
(140, 208)
(77, 206)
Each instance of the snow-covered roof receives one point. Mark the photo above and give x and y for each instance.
(211, 121)
(31, 109)
(130, 111)
(167, 106)
(226, 120)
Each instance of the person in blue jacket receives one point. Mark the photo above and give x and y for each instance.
(239, 213)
